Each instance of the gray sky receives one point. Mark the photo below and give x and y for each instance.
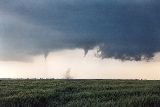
(122, 29)
(105, 39)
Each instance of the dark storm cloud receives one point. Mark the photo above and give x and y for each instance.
(122, 29)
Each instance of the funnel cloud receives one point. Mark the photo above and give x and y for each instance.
(122, 29)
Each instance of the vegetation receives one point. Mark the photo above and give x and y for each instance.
(78, 93)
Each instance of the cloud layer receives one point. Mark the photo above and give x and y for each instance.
(123, 29)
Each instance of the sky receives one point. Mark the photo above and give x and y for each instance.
(108, 39)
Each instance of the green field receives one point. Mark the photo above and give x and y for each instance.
(79, 93)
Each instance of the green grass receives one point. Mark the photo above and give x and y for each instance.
(78, 93)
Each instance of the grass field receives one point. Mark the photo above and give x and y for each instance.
(79, 93)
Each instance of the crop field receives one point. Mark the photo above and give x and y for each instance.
(79, 93)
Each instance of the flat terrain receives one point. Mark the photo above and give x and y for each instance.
(79, 93)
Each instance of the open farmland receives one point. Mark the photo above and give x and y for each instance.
(78, 93)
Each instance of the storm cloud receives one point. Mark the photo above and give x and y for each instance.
(123, 29)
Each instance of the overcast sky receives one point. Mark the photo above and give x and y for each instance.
(119, 30)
